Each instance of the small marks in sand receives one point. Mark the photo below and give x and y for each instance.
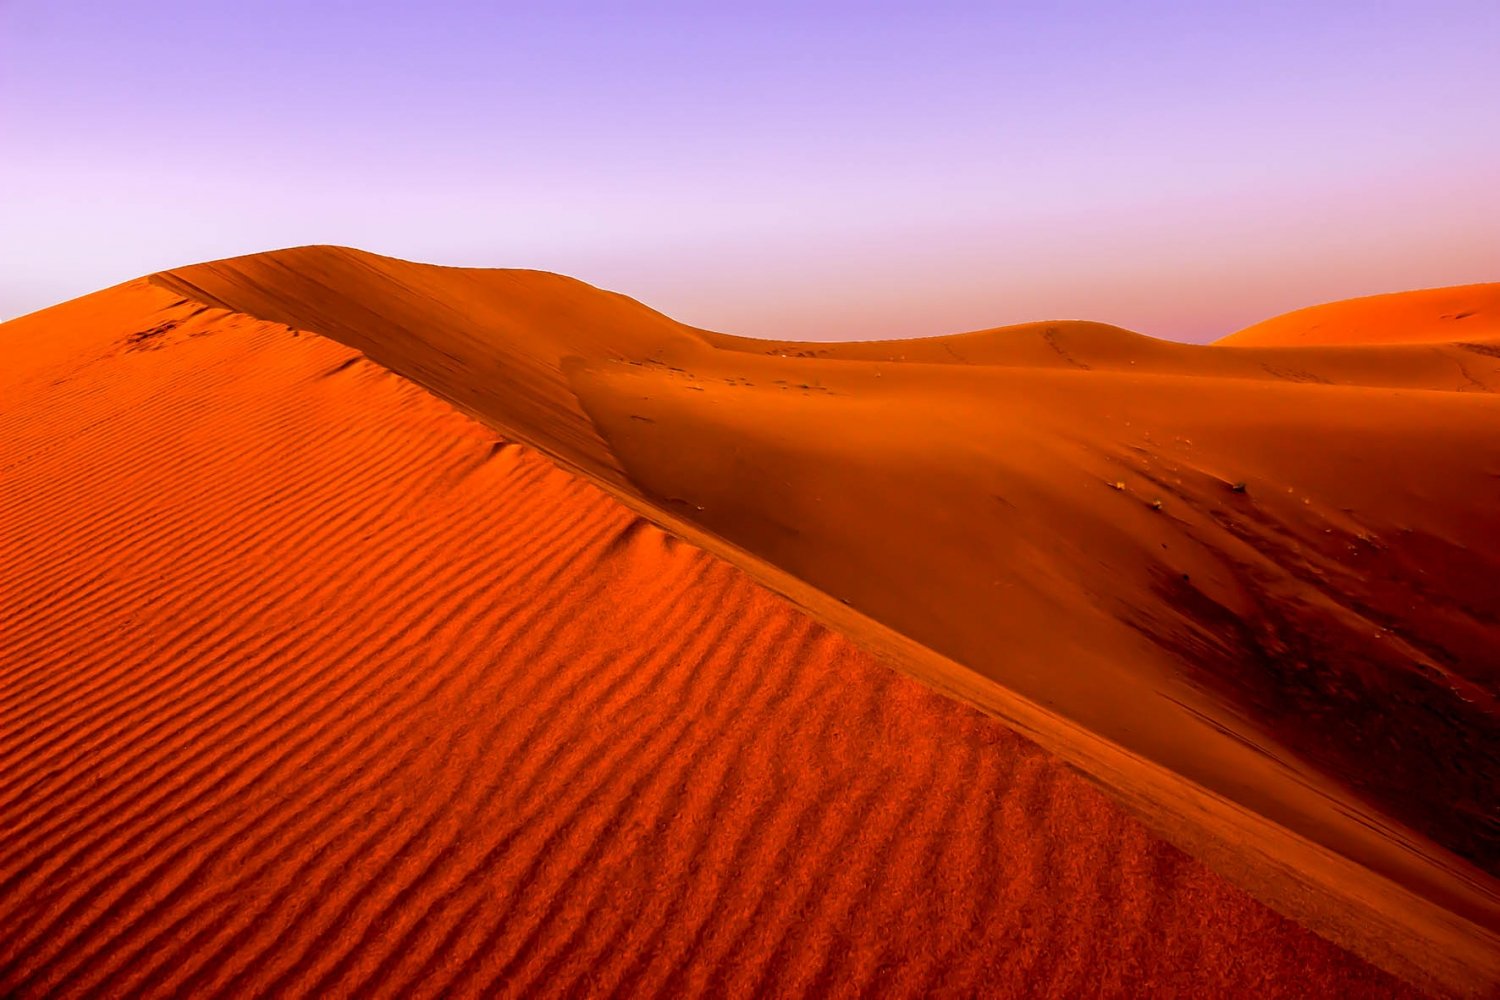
(150, 339)
(344, 365)
(1050, 336)
(1293, 374)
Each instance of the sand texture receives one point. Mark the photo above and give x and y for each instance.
(372, 628)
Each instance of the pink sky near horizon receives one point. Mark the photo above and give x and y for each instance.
(811, 171)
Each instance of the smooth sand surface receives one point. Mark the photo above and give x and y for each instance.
(311, 682)
(1457, 314)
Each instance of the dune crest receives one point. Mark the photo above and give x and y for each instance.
(1141, 545)
(311, 685)
(1431, 315)
(1169, 565)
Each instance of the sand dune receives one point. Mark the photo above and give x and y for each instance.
(1457, 314)
(315, 684)
(1183, 550)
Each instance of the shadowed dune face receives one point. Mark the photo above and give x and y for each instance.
(1463, 313)
(310, 685)
(1161, 561)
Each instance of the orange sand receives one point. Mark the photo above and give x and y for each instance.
(1461, 313)
(309, 682)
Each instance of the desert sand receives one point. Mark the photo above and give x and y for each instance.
(344, 651)
(1464, 313)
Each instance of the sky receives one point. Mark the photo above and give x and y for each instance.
(813, 171)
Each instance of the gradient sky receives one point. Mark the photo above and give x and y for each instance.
(817, 171)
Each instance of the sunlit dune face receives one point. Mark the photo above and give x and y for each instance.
(328, 682)
(1467, 313)
(315, 686)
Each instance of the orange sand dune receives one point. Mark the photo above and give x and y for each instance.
(310, 685)
(1081, 346)
(1253, 591)
(1461, 313)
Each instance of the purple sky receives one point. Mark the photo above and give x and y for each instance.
(802, 170)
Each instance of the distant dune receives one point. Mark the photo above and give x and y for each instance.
(312, 684)
(1445, 315)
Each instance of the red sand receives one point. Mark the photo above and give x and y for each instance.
(310, 683)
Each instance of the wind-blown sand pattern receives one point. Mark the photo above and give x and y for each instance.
(310, 684)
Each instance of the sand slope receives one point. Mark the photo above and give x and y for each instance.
(310, 685)
(1253, 590)
(1456, 314)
